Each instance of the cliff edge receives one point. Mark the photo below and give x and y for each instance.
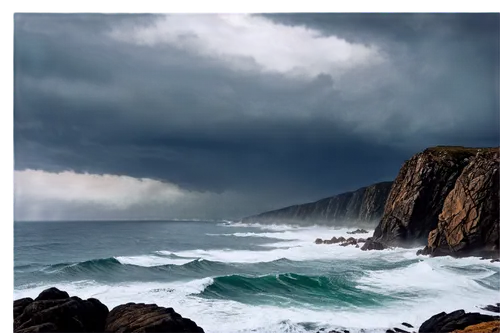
(445, 198)
(363, 205)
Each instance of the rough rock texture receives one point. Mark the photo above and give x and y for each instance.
(371, 244)
(456, 320)
(488, 327)
(418, 193)
(132, 317)
(54, 311)
(468, 223)
(363, 205)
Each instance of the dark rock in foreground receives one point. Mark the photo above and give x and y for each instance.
(456, 320)
(54, 311)
(133, 317)
(486, 327)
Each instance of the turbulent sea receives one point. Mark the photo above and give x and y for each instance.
(234, 277)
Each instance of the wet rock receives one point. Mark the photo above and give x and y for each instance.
(349, 241)
(361, 240)
(358, 231)
(370, 244)
(456, 320)
(492, 308)
(53, 311)
(52, 293)
(20, 305)
(132, 317)
(407, 325)
(318, 241)
(399, 330)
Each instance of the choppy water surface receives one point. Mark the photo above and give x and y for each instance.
(233, 277)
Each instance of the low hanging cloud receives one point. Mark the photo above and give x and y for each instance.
(224, 116)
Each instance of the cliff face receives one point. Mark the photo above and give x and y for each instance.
(418, 194)
(456, 186)
(468, 223)
(365, 204)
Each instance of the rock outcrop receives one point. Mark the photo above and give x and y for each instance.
(446, 197)
(55, 311)
(363, 205)
(468, 223)
(357, 231)
(456, 320)
(133, 317)
(487, 327)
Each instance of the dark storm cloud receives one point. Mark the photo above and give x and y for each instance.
(461, 51)
(89, 103)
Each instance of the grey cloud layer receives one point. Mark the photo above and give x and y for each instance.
(90, 103)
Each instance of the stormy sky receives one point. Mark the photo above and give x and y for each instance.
(223, 116)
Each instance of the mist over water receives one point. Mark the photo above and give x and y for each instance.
(235, 277)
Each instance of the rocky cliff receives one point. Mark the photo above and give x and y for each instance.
(468, 223)
(363, 205)
(456, 186)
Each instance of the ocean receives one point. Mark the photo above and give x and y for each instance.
(235, 277)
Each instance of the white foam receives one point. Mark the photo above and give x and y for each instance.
(152, 260)
(223, 316)
(439, 287)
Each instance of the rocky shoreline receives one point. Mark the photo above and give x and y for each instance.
(55, 311)
(446, 199)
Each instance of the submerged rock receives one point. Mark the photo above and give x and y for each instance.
(492, 308)
(358, 231)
